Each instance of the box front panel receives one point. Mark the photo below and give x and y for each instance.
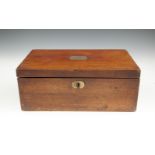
(78, 94)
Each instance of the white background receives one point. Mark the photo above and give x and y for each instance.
(76, 132)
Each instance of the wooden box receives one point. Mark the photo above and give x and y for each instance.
(78, 80)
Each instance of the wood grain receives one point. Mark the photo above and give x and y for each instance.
(100, 63)
(97, 95)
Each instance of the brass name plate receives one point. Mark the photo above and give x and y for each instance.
(78, 57)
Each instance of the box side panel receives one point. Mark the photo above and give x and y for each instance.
(96, 95)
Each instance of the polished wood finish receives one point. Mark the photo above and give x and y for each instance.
(102, 80)
(97, 94)
(100, 63)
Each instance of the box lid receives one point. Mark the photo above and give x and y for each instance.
(79, 63)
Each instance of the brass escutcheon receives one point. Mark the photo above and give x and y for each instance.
(78, 84)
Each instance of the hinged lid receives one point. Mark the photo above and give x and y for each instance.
(79, 63)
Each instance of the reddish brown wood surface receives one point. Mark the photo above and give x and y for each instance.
(100, 63)
(97, 95)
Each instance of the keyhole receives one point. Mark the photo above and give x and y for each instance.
(78, 84)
